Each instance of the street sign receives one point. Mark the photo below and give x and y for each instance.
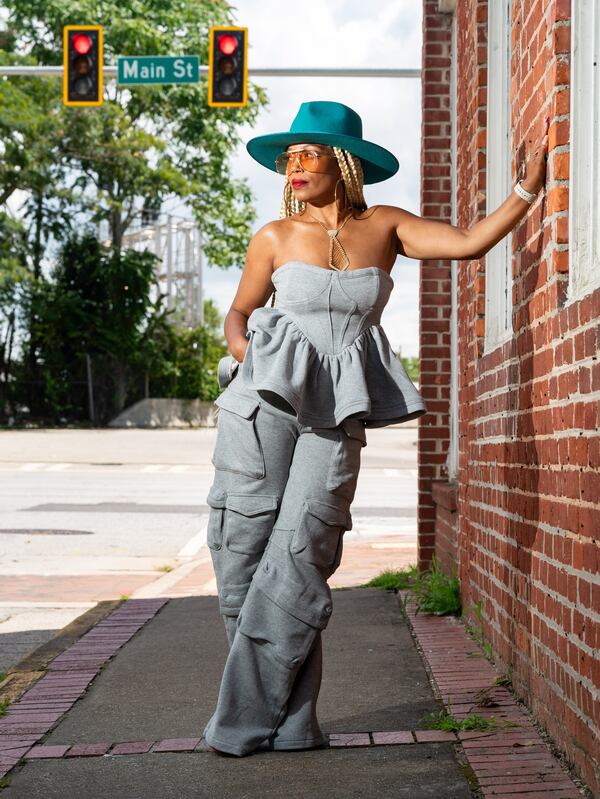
(151, 69)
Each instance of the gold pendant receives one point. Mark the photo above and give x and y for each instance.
(337, 255)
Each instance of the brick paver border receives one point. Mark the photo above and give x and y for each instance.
(67, 677)
(510, 763)
(336, 740)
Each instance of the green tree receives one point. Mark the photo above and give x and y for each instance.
(148, 142)
(412, 367)
(144, 145)
(184, 364)
(99, 304)
(14, 279)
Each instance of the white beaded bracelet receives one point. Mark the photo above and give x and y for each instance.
(524, 194)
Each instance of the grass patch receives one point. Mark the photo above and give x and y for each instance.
(443, 720)
(434, 591)
(505, 679)
(394, 580)
(4, 703)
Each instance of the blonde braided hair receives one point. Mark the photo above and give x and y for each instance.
(352, 177)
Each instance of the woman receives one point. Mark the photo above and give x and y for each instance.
(305, 378)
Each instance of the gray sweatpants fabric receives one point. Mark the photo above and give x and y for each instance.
(279, 507)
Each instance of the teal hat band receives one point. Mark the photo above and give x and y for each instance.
(327, 122)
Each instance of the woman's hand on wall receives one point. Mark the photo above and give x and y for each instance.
(535, 166)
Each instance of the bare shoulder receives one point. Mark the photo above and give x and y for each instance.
(391, 214)
(265, 235)
(255, 285)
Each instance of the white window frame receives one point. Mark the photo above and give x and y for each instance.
(498, 261)
(584, 151)
(452, 456)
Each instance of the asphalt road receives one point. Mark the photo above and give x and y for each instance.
(87, 515)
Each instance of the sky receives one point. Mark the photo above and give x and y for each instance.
(339, 33)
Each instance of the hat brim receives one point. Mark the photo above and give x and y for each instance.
(377, 163)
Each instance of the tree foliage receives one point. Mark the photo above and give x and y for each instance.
(68, 170)
(101, 309)
(150, 142)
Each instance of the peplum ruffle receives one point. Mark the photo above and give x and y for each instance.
(365, 379)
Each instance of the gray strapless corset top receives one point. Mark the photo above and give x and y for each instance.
(322, 349)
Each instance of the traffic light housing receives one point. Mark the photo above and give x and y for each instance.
(228, 66)
(83, 62)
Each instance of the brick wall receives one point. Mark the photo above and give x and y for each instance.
(434, 288)
(527, 524)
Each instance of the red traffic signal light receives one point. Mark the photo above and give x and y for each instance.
(227, 43)
(82, 43)
(83, 61)
(228, 66)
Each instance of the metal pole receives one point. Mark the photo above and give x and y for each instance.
(169, 262)
(199, 296)
(188, 276)
(278, 72)
(88, 362)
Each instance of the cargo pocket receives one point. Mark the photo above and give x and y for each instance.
(318, 538)
(285, 638)
(214, 531)
(238, 448)
(344, 463)
(309, 601)
(249, 520)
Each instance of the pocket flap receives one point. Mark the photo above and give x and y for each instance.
(310, 601)
(250, 504)
(237, 403)
(216, 498)
(327, 513)
(355, 428)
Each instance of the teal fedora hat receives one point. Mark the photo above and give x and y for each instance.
(327, 122)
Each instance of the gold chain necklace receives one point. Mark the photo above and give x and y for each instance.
(340, 253)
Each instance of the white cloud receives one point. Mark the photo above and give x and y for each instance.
(337, 34)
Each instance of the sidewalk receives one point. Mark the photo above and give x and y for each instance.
(119, 713)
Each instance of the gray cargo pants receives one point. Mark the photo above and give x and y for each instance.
(279, 506)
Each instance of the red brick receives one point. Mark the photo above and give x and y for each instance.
(131, 748)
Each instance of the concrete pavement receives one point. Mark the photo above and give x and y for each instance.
(162, 685)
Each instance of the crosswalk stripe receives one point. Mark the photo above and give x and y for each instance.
(195, 544)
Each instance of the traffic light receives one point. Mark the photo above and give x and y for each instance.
(228, 66)
(83, 61)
